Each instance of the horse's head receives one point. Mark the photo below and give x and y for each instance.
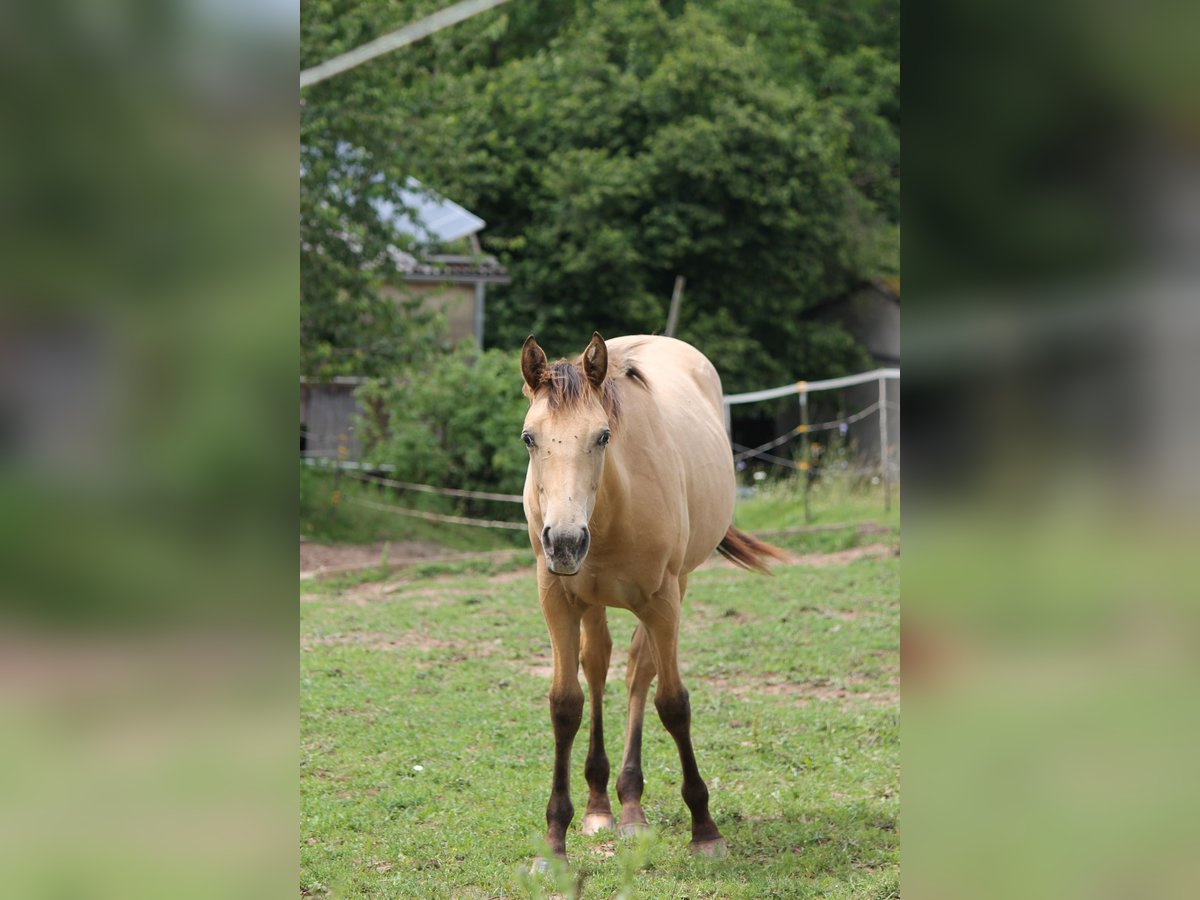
(572, 414)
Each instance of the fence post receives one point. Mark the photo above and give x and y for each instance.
(673, 312)
(336, 498)
(805, 455)
(885, 475)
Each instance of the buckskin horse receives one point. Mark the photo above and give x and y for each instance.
(630, 487)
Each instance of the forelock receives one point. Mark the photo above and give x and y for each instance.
(566, 387)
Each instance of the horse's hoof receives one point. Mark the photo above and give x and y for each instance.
(594, 823)
(629, 829)
(714, 849)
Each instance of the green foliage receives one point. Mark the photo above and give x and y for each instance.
(751, 147)
(346, 326)
(452, 421)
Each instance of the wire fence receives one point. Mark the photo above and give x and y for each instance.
(438, 517)
(853, 448)
(430, 489)
(811, 459)
(748, 452)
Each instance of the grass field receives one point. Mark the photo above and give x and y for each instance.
(426, 752)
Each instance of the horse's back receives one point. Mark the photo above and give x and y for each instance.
(679, 371)
(686, 396)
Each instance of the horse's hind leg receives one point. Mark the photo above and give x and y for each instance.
(671, 701)
(638, 676)
(594, 654)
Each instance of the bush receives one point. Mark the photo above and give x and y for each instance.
(453, 422)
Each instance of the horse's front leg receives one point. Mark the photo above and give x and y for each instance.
(595, 656)
(566, 706)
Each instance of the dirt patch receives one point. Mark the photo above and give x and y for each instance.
(329, 559)
(848, 692)
(374, 640)
(543, 666)
(845, 615)
(604, 849)
(326, 559)
(359, 595)
(842, 557)
(844, 693)
(537, 667)
(838, 558)
(427, 596)
(514, 575)
(425, 590)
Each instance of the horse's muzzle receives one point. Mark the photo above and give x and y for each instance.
(565, 548)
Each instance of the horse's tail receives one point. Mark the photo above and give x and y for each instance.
(747, 551)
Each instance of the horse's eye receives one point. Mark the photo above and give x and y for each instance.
(604, 436)
(527, 438)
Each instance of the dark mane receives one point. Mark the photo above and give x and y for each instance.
(565, 386)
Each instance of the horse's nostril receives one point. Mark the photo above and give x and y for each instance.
(547, 543)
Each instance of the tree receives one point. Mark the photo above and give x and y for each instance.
(752, 147)
(453, 421)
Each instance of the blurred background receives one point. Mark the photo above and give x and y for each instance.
(148, 276)
(1052, 211)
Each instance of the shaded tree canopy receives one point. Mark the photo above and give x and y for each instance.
(752, 147)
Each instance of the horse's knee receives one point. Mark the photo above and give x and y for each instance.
(566, 711)
(674, 710)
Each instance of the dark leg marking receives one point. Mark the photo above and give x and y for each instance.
(676, 715)
(566, 714)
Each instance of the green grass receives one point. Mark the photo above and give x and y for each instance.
(795, 721)
(858, 509)
(832, 501)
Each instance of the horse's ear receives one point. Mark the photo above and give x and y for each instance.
(533, 363)
(595, 360)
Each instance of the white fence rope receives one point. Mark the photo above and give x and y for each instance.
(320, 461)
(368, 478)
(437, 517)
(355, 470)
(810, 387)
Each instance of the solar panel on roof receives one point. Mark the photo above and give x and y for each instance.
(428, 216)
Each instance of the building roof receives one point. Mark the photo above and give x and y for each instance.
(445, 267)
(428, 216)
